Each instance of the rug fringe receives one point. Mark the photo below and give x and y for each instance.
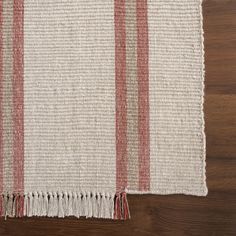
(121, 207)
(62, 204)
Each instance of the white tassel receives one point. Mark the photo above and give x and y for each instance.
(65, 203)
(99, 199)
(94, 205)
(55, 204)
(79, 204)
(83, 204)
(70, 208)
(74, 205)
(25, 204)
(40, 203)
(102, 206)
(111, 207)
(90, 205)
(107, 210)
(30, 208)
(35, 204)
(86, 204)
(44, 204)
(50, 205)
(60, 206)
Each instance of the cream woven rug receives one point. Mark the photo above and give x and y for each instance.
(99, 98)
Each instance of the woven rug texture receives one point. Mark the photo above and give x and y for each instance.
(99, 99)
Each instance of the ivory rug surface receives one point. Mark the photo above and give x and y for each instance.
(99, 98)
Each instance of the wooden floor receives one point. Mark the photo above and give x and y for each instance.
(180, 215)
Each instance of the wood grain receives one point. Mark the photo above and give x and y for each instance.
(178, 214)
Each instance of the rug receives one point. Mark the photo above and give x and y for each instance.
(99, 99)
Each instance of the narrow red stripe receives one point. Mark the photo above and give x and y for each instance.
(1, 100)
(143, 95)
(121, 113)
(18, 112)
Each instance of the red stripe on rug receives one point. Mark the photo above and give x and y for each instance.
(121, 113)
(18, 112)
(143, 95)
(1, 108)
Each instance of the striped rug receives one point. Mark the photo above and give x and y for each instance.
(99, 99)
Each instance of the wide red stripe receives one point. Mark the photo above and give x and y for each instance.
(143, 95)
(121, 113)
(18, 112)
(1, 101)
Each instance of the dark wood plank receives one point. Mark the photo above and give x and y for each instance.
(178, 214)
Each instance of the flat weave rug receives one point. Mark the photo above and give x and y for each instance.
(99, 99)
